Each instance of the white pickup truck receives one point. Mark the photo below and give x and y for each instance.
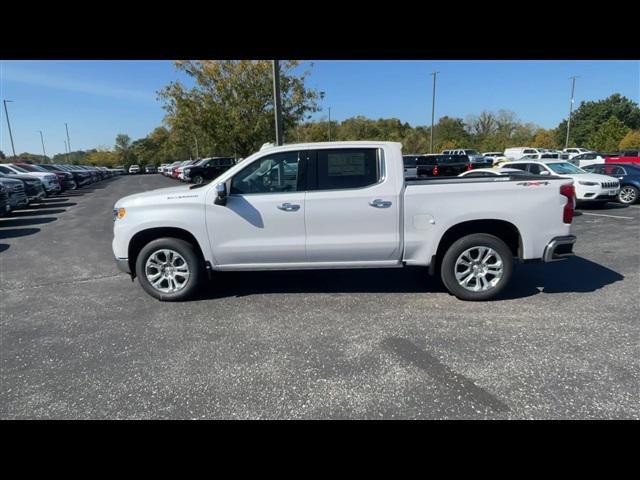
(341, 205)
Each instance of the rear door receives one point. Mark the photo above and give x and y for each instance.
(352, 207)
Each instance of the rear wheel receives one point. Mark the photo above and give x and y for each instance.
(169, 269)
(477, 267)
(628, 195)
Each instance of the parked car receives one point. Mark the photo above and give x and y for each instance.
(81, 177)
(5, 206)
(341, 205)
(410, 165)
(16, 190)
(207, 169)
(162, 167)
(444, 165)
(575, 151)
(120, 170)
(546, 156)
(516, 153)
(49, 180)
(133, 169)
(150, 169)
(180, 169)
(65, 179)
(627, 173)
(628, 156)
(473, 155)
(589, 158)
(589, 187)
(494, 172)
(33, 187)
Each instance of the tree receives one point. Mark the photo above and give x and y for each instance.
(544, 139)
(123, 149)
(103, 157)
(2, 155)
(450, 133)
(230, 108)
(630, 141)
(590, 116)
(608, 136)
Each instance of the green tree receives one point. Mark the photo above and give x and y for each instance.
(103, 157)
(230, 107)
(630, 141)
(544, 139)
(608, 136)
(123, 149)
(589, 117)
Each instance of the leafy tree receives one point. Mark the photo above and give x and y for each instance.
(450, 133)
(589, 117)
(544, 139)
(123, 149)
(608, 136)
(2, 155)
(631, 140)
(230, 108)
(103, 157)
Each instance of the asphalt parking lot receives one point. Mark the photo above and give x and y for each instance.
(80, 340)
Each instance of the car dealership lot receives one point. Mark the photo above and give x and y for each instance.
(79, 340)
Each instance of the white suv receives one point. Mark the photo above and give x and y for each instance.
(589, 186)
(134, 169)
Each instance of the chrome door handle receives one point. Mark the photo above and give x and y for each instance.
(378, 203)
(289, 207)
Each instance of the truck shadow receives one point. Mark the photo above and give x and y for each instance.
(576, 274)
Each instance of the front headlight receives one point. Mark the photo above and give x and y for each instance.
(118, 213)
(588, 184)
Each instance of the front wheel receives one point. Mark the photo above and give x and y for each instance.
(198, 179)
(169, 269)
(477, 267)
(628, 195)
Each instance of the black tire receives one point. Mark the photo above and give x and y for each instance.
(631, 196)
(448, 266)
(187, 251)
(198, 179)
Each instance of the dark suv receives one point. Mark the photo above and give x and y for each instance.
(207, 169)
(444, 165)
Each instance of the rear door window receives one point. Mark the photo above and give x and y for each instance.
(338, 169)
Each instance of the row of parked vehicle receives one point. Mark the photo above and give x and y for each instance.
(25, 183)
(197, 171)
(598, 177)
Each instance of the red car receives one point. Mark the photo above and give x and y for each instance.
(628, 156)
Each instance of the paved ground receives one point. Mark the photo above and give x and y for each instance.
(79, 340)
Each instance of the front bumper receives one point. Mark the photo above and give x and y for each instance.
(52, 188)
(123, 265)
(559, 248)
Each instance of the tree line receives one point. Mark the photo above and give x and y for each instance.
(229, 112)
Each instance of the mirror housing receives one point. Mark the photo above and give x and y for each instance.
(544, 172)
(221, 194)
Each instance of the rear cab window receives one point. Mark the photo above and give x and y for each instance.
(344, 168)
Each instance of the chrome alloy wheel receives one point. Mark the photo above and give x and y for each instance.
(167, 271)
(627, 195)
(479, 269)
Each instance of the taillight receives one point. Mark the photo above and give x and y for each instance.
(569, 192)
(435, 170)
(469, 167)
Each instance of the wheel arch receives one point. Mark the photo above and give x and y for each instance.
(504, 230)
(143, 237)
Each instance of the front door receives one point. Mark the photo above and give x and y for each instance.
(263, 221)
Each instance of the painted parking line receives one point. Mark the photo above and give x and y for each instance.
(604, 215)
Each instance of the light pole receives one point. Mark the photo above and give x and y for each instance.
(66, 151)
(68, 141)
(329, 123)
(277, 104)
(6, 112)
(197, 151)
(44, 154)
(573, 87)
(433, 110)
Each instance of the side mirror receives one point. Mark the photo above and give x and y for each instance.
(221, 197)
(544, 172)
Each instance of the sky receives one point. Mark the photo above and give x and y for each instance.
(99, 99)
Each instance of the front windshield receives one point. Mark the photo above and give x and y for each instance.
(565, 167)
(19, 169)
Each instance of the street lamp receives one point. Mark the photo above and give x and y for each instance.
(433, 110)
(6, 112)
(277, 102)
(68, 141)
(573, 87)
(44, 154)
